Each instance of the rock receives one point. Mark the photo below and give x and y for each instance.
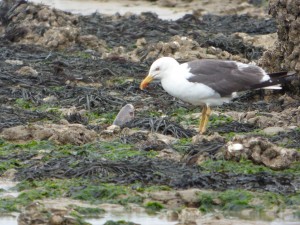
(171, 215)
(168, 140)
(167, 3)
(286, 54)
(50, 99)
(38, 213)
(113, 129)
(190, 197)
(125, 115)
(169, 153)
(27, 71)
(56, 220)
(266, 41)
(207, 138)
(115, 208)
(163, 196)
(33, 213)
(92, 42)
(9, 174)
(14, 62)
(260, 151)
(61, 133)
(273, 130)
(288, 117)
(179, 47)
(189, 216)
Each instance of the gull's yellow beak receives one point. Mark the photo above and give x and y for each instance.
(145, 82)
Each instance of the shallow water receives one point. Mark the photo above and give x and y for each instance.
(8, 220)
(139, 218)
(86, 7)
(6, 187)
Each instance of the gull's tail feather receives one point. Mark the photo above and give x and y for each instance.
(276, 79)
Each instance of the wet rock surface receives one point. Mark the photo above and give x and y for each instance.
(64, 78)
(286, 53)
(260, 151)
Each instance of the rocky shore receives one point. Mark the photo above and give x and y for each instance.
(64, 77)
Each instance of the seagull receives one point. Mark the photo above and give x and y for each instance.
(210, 82)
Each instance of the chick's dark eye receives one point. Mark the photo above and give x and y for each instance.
(157, 69)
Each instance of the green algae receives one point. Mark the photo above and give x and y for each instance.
(244, 166)
(89, 211)
(237, 200)
(153, 207)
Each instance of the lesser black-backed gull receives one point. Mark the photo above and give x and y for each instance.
(209, 82)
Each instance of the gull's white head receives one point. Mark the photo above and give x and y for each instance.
(159, 69)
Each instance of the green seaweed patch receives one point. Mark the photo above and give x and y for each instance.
(117, 151)
(24, 104)
(142, 188)
(89, 211)
(244, 166)
(36, 190)
(80, 220)
(30, 146)
(216, 120)
(182, 145)
(181, 114)
(119, 222)
(32, 106)
(230, 200)
(81, 189)
(101, 118)
(153, 207)
(100, 193)
(107, 193)
(83, 55)
(238, 200)
(293, 200)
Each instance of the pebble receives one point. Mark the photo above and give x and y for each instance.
(125, 115)
(27, 71)
(273, 130)
(14, 62)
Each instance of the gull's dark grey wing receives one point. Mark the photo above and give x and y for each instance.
(226, 77)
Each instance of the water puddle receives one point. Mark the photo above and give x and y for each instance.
(8, 220)
(86, 7)
(6, 188)
(139, 218)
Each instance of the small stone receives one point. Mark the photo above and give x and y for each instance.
(169, 153)
(27, 71)
(56, 220)
(167, 3)
(273, 130)
(235, 147)
(113, 129)
(190, 197)
(172, 215)
(125, 115)
(168, 140)
(50, 99)
(14, 62)
(163, 196)
(189, 215)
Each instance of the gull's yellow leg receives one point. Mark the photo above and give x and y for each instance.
(206, 111)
